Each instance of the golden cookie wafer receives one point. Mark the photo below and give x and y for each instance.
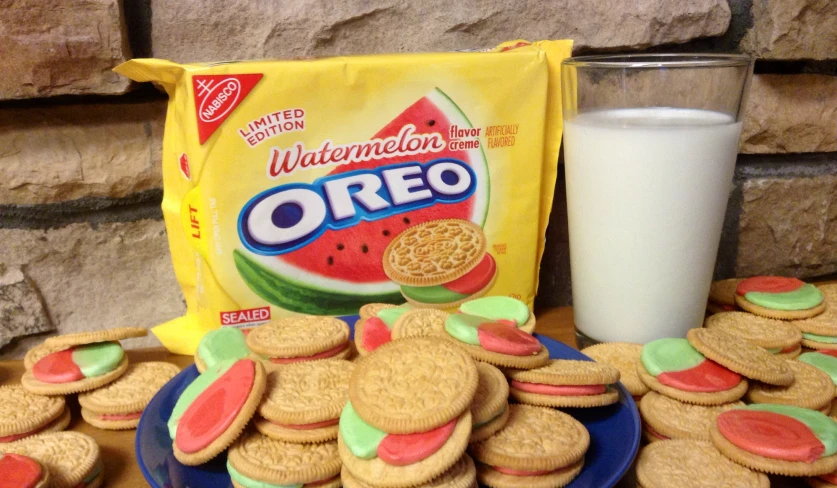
(622, 356)
(824, 323)
(33, 385)
(678, 420)
(818, 345)
(264, 459)
(568, 372)
(298, 336)
(454, 305)
(822, 465)
(59, 424)
(307, 392)
(502, 360)
(434, 253)
(128, 395)
(413, 385)
(819, 483)
(80, 338)
(560, 477)
(372, 309)
(235, 429)
(761, 331)
(378, 473)
(812, 388)
(792, 354)
(740, 356)
(69, 456)
(463, 474)
(492, 394)
(697, 398)
(534, 439)
(609, 397)
(778, 314)
(723, 291)
(22, 412)
(422, 322)
(302, 436)
(683, 463)
(485, 430)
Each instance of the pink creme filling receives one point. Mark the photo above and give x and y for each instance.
(706, 377)
(771, 435)
(558, 390)
(122, 416)
(375, 334)
(57, 367)
(14, 437)
(404, 449)
(320, 355)
(504, 338)
(314, 425)
(476, 279)
(830, 477)
(517, 472)
(655, 433)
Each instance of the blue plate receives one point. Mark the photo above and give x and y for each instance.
(614, 436)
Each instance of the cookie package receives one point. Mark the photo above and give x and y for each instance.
(285, 182)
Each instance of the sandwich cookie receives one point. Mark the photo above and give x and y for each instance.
(778, 297)
(692, 464)
(23, 414)
(820, 332)
(463, 474)
(76, 369)
(304, 338)
(220, 345)
(408, 418)
(565, 383)
(775, 336)
(497, 343)
(675, 369)
(490, 408)
(812, 388)
(722, 296)
(303, 401)
(538, 447)
(440, 264)
(622, 356)
(376, 329)
(824, 361)
(501, 308)
(257, 461)
(72, 459)
(666, 418)
(214, 409)
(778, 439)
(741, 356)
(422, 322)
(119, 405)
(828, 480)
(22, 472)
(372, 309)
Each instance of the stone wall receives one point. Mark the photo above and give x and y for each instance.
(82, 237)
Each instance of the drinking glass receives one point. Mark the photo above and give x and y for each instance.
(650, 143)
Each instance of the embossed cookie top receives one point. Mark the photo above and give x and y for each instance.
(826, 322)
(258, 456)
(812, 388)
(109, 335)
(132, 391)
(622, 356)
(723, 291)
(434, 253)
(534, 439)
(298, 336)
(761, 331)
(307, 392)
(22, 412)
(692, 464)
(740, 356)
(413, 385)
(673, 418)
(423, 322)
(461, 475)
(69, 456)
(492, 394)
(568, 372)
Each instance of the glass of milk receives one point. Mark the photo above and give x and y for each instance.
(650, 143)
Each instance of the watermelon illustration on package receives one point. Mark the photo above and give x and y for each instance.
(321, 252)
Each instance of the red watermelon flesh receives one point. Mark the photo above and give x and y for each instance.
(355, 253)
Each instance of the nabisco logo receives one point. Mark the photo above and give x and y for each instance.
(220, 100)
(217, 96)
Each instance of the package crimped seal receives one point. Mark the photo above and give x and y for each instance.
(285, 181)
(303, 401)
(119, 405)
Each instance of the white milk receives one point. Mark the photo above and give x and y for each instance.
(647, 191)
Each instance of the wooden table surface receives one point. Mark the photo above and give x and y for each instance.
(121, 469)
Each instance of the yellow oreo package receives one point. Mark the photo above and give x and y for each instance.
(285, 181)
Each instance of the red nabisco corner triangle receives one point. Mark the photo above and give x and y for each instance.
(216, 96)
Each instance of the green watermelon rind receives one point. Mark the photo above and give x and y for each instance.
(447, 105)
(301, 297)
